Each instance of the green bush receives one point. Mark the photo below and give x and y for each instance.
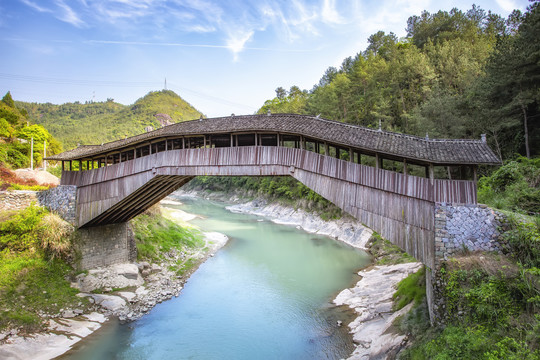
(18, 231)
(15, 154)
(514, 186)
(475, 297)
(522, 241)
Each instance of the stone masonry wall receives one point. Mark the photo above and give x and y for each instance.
(105, 245)
(17, 199)
(61, 200)
(457, 228)
(465, 227)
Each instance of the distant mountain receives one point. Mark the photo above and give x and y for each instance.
(99, 122)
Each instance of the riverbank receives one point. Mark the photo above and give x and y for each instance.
(124, 291)
(372, 297)
(345, 229)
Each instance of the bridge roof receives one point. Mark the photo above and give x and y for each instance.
(396, 145)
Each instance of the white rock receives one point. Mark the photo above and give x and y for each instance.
(129, 296)
(109, 302)
(130, 271)
(372, 300)
(348, 231)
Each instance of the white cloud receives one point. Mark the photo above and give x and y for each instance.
(35, 6)
(68, 15)
(200, 29)
(329, 13)
(237, 41)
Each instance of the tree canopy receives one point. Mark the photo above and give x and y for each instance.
(456, 74)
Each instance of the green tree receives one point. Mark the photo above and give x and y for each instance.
(8, 100)
(6, 130)
(37, 132)
(293, 102)
(510, 92)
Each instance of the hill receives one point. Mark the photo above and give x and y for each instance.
(98, 122)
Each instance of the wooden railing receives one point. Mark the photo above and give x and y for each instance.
(238, 161)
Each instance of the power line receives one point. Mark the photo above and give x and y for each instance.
(216, 99)
(81, 82)
(110, 83)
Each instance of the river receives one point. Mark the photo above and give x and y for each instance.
(266, 295)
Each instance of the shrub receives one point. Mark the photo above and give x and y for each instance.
(54, 236)
(522, 241)
(18, 232)
(514, 186)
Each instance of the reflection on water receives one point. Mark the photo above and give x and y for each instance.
(266, 295)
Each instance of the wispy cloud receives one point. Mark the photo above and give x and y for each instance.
(329, 13)
(67, 14)
(229, 46)
(200, 29)
(35, 6)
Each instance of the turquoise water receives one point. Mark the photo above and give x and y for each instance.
(266, 295)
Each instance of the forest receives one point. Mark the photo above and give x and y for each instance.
(456, 74)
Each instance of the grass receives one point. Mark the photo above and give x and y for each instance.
(156, 235)
(412, 288)
(386, 253)
(28, 187)
(34, 246)
(29, 285)
(160, 239)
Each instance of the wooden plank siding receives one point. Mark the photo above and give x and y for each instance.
(400, 207)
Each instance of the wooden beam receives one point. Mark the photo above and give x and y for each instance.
(405, 171)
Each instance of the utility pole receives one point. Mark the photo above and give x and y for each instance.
(44, 155)
(32, 154)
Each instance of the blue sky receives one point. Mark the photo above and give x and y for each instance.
(222, 57)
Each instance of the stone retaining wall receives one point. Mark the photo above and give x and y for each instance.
(17, 199)
(61, 200)
(465, 227)
(459, 228)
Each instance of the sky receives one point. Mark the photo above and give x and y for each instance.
(222, 57)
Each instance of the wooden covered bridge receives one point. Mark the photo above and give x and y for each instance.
(388, 181)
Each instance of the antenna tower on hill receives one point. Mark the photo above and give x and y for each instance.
(165, 84)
